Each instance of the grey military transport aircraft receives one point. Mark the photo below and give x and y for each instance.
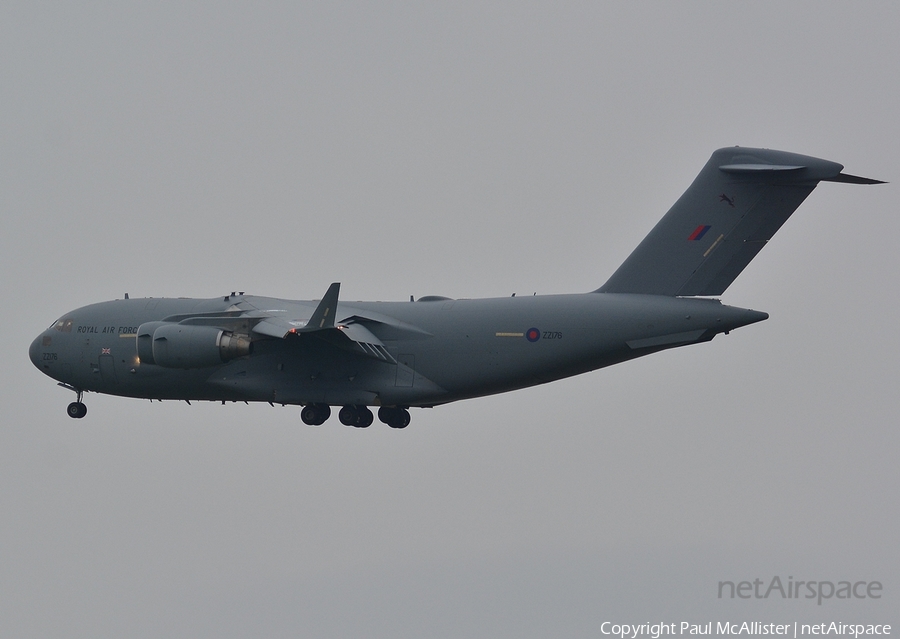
(434, 350)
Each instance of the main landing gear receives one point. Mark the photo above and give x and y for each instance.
(358, 416)
(394, 416)
(315, 414)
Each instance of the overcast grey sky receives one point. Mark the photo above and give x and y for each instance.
(461, 149)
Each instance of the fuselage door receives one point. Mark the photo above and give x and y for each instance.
(107, 368)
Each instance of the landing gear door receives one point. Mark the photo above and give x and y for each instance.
(406, 373)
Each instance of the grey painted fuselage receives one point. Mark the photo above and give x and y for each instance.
(461, 348)
(396, 355)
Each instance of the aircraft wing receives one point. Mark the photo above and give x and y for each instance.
(354, 337)
(734, 206)
(348, 334)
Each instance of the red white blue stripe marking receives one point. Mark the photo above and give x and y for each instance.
(699, 232)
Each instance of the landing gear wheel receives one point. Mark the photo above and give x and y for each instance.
(358, 416)
(385, 413)
(347, 415)
(394, 416)
(364, 417)
(76, 410)
(402, 420)
(315, 414)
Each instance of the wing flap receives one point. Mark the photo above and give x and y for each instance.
(361, 340)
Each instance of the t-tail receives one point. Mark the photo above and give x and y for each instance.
(734, 206)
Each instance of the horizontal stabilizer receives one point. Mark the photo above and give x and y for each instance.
(852, 179)
(734, 206)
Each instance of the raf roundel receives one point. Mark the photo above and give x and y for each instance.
(532, 335)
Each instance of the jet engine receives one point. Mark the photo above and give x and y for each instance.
(188, 346)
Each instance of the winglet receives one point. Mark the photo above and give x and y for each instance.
(321, 319)
(323, 316)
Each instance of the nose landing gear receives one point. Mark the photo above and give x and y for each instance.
(77, 409)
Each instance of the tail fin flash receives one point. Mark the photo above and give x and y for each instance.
(734, 206)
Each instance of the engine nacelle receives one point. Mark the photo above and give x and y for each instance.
(145, 341)
(188, 346)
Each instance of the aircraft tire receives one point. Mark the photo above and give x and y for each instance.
(403, 419)
(308, 415)
(315, 414)
(394, 416)
(76, 410)
(364, 417)
(348, 416)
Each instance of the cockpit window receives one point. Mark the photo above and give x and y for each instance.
(64, 325)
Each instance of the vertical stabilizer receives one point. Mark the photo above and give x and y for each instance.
(734, 206)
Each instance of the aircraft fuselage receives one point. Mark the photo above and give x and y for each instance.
(444, 350)
(436, 350)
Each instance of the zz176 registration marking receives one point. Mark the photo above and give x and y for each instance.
(49, 357)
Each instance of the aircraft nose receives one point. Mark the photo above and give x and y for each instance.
(34, 351)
